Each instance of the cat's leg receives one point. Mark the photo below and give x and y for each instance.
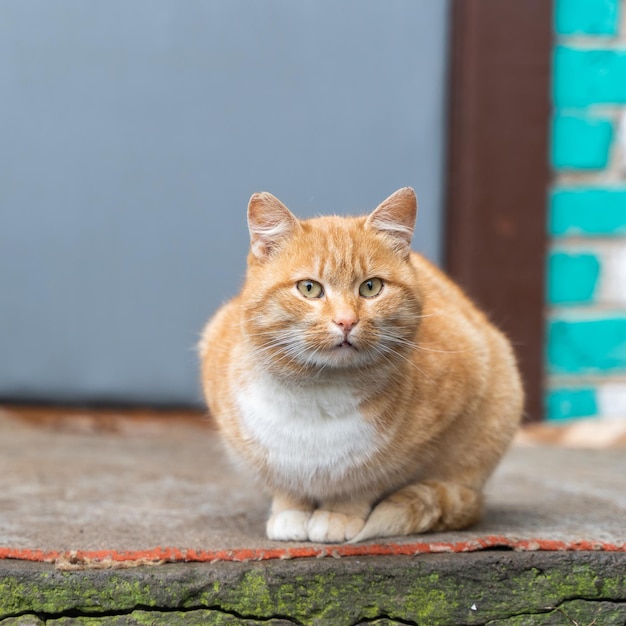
(422, 507)
(289, 518)
(335, 522)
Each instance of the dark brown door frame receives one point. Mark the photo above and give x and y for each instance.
(498, 171)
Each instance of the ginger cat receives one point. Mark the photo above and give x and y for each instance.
(364, 388)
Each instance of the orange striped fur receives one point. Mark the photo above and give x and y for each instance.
(361, 385)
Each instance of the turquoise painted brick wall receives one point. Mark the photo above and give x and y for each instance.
(581, 142)
(589, 17)
(587, 211)
(587, 346)
(586, 269)
(589, 77)
(572, 277)
(565, 404)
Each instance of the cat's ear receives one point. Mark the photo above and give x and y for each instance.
(270, 223)
(395, 217)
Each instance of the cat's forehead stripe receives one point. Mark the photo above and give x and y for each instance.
(337, 255)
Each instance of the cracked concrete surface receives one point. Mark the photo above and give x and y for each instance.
(504, 588)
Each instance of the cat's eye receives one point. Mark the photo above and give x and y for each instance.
(371, 287)
(310, 288)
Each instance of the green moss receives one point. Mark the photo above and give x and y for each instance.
(329, 598)
(581, 612)
(254, 595)
(22, 620)
(469, 589)
(52, 595)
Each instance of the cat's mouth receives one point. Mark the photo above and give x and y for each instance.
(346, 344)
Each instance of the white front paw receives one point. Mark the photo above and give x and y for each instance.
(288, 526)
(331, 527)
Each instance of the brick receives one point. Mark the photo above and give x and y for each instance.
(586, 17)
(612, 288)
(586, 346)
(587, 211)
(565, 404)
(572, 278)
(580, 142)
(611, 399)
(607, 400)
(584, 77)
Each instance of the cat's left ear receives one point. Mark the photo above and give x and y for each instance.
(395, 217)
(270, 223)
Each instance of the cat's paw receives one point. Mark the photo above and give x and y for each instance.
(331, 527)
(288, 525)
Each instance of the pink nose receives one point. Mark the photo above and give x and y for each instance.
(346, 322)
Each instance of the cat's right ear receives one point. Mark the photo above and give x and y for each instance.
(395, 217)
(270, 223)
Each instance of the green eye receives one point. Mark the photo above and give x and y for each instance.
(310, 288)
(371, 287)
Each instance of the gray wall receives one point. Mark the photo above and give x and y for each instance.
(131, 137)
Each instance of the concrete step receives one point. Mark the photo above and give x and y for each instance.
(495, 588)
(132, 518)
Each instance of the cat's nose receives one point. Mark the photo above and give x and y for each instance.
(346, 321)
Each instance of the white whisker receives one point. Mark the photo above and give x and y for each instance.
(384, 350)
(418, 346)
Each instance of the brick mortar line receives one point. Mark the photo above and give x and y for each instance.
(564, 243)
(583, 312)
(596, 312)
(572, 178)
(600, 109)
(592, 43)
(618, 185)
(591, 380)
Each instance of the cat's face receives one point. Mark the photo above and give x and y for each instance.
(328, 293)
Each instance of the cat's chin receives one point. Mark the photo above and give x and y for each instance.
(344, 355)
(345, 352)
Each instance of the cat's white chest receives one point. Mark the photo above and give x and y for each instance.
(314, 438)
